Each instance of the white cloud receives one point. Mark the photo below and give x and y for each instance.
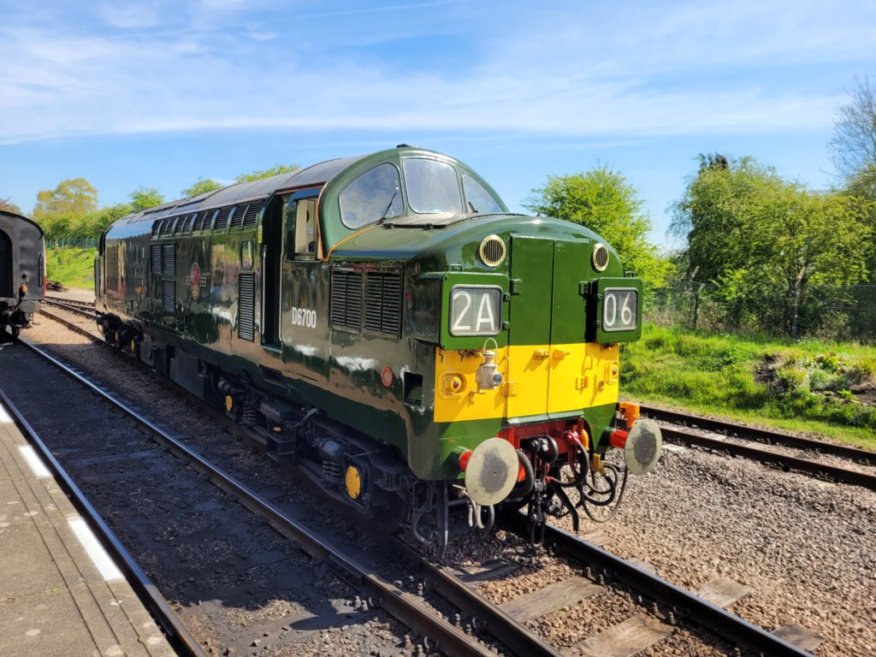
(130, 15)
(638, 72)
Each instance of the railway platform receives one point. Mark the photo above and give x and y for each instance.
(60, 592)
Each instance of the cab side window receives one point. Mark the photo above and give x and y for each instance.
(301, 228)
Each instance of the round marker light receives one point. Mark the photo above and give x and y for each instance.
(600, 257)
(492, 250)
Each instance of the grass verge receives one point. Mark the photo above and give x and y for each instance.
(811, 386)
(72, 267)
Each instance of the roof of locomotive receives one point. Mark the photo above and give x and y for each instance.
(21, 217)
(315, 174)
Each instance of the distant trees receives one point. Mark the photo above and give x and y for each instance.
(765, 244)
(604, 201)
(854, 154)
(63, 211)
(8, 206)
(72, 197)
(144, 198)
(70, 211)
(259, 174)
(854, 140)
(203, 186)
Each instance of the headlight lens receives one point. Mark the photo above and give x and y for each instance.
(475, 310)
(620, 306)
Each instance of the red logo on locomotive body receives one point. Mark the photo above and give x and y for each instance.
(195, 278)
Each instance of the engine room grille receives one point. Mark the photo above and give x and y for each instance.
(237, 217)
(156, 258)
(246, 307)
(250, 218)
(222, 219)
(346, 302)
(168, 259)
(111, 257)
(383, 303)
(168, 296)
(200, 221)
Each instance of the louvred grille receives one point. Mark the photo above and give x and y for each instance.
(346, 303)
(246, 307)
(168, 296)
(156, 258)
(168, 259)
(252, 215)
(383, 303)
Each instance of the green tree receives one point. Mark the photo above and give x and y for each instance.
(604, 201)
(203, 186)
(266, 173)
(63, 210)
(71, 198)
(714, 212)
(144, 198)
(767, 244)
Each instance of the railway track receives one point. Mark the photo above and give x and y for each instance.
(406, 608)
(169, 621)
(446, 632)
(84, 308)
(737, 440)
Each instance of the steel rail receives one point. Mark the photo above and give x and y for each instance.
(403, 606)
(786, 462)
(172, 625)
(759, 434)
(696, 609)
(73, 327)
(79, 308)
(510, 632)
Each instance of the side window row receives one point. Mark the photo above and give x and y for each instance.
(218, 219)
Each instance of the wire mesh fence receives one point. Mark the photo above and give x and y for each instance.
(73, 243)
(830, 312)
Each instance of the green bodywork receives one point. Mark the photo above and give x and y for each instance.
(549, 288)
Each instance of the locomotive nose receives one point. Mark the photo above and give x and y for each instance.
(491, 471)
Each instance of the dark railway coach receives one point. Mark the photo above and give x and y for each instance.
(385, 323)
(22, 271)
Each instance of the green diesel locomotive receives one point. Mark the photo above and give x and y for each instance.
(387, 325)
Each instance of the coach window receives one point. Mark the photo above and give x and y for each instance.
(373, 196)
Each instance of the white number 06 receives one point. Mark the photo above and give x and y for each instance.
(627, 310)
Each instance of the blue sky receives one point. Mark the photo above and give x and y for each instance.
(159, 94)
